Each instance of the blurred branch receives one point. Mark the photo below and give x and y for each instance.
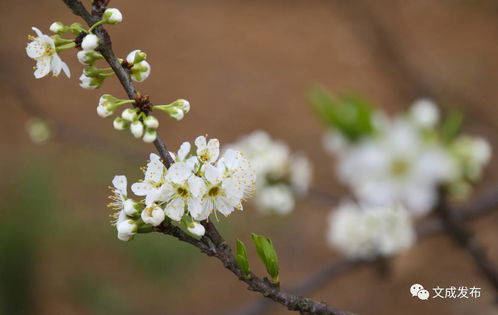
(484, 204)
(457, 229)
(212, 243)
(379, 40)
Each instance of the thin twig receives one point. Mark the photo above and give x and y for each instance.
(484, 204)
(212, 243)
(464, 238)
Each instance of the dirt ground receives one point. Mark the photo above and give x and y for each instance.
(243, 65)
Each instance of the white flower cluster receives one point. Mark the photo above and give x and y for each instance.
(282, 176)
(44, 49)
(405, 160)
(195, 186)
(365, 233)
(140, 123)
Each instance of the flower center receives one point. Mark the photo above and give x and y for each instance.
(214, 191)
(399, 167)
(182, 192)
(49, 51)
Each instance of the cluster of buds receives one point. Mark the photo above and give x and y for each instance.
(139, 68)
(138, 119)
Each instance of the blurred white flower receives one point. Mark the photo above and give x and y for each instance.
(424, 113)
(277, 198)
(42, 49)
(280, 174)
(38, 130)
(360, 232)
(398, 166)
(472, 154)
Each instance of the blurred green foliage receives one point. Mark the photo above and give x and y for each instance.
(25, 214)
(349, 114)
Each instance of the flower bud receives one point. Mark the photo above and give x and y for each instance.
(57, 27)
(129, 207)
(153, 215)
(90, 42)
(184, 105)
(150, 136)
(176, 113)
(88, 57)
(137, 129)
(112, 16)
(87, 82)
(140, 71)
(103, 111)
(196, 228)
(129, 114)
(126, 229)
(136, 56)
(119, 123)
(151, 122)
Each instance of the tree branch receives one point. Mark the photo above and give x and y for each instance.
(212, 243)
(457, 229)
(484, 204)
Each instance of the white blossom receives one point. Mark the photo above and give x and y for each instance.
(362, 232)
(90, 42)
(207, 152)
(42, 49)
(154, 179)
(182, 189)
(397, 167)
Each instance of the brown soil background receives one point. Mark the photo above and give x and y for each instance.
(244, 65)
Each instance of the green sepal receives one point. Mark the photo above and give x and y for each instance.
(241, 259)
(268, 255)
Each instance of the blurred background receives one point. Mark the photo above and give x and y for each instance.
(243, 65)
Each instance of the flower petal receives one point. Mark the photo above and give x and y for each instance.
(179, 172)
(119, 182)
(141, 189)
(42, 67)
(197, 186)
(175, 209)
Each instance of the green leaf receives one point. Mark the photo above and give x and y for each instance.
(241, 259)
(350, 115)
(452, 125)
(268, 255)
